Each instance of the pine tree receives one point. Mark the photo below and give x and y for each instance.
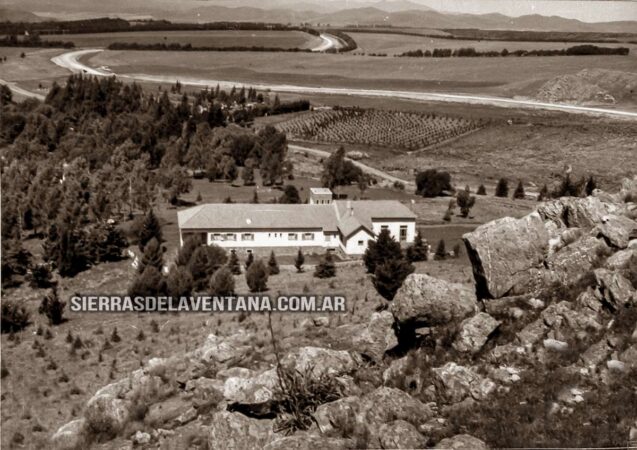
(326, 268)
(249, 260)
(502, 188)
(179, 282)
(441, 251)
(519, 191)
(233, 264)
(255, 197)
(481, 190)
(390, 275)
(544, 193)
(150, 229)
(204, 262)
(273, 266)
(185, 252)
(147, 284)
(383, 248)
(222, 282)
(591, 185)
(299, 261)
(418, 250)
(153, 256)
(257, 277)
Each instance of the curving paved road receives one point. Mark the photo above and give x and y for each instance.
(329, 42)
(71, 61)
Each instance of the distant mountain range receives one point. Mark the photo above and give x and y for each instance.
(398, 13)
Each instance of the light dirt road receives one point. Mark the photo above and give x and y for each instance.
(20, 91)
(364, 167)
(71, 61)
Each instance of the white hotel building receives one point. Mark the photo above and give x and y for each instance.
(320, 224)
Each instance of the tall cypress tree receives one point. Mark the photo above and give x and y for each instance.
(150, 229)
(153, 256)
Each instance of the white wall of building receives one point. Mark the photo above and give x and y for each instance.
(394, 229)
(356, 244)
(271, 238)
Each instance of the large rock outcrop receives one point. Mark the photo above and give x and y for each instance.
(425, 300)
(503, 252)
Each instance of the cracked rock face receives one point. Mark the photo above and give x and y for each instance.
(503, 251)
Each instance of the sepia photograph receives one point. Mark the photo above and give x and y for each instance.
(318, 224)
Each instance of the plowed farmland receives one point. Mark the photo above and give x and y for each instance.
(410, 131)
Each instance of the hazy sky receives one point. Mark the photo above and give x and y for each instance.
(586, 10)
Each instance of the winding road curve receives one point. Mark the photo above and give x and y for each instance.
(71, 61)
(329, 42)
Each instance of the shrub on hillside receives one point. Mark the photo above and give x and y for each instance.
(481, 190)
(222, 282)
(465, 201)
(257, 277)
(52, 307)
(519, 191)
(14, 317)
(150, 229)
(326, 268)
(41, 276)
(441, 251)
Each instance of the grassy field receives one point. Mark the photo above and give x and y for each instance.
(212, 38)
(392, 44)
(499, 76)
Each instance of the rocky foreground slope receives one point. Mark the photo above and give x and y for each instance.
(542, 353)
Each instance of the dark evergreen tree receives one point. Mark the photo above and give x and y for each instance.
(481, 190)
(52, 307)
(591, 185)
(249, 260)
(390, 275)
(150, 229)
(15, 263)
(290, 195)
(106, 243)
(204, 262)
(299, 261)
(153, 256)
(418, 250)
(191, 243)
(441, 251)
(326, 268)
(273, 266)
(544, 193)
(257, 277)
(383, 248)
(222, 282)
(502, 188)
(179, 282)
(149, 283)
(41, 276)
(432, 183)
(519, 191)
(233, 264)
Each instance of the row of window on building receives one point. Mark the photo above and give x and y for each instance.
(250, 236)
